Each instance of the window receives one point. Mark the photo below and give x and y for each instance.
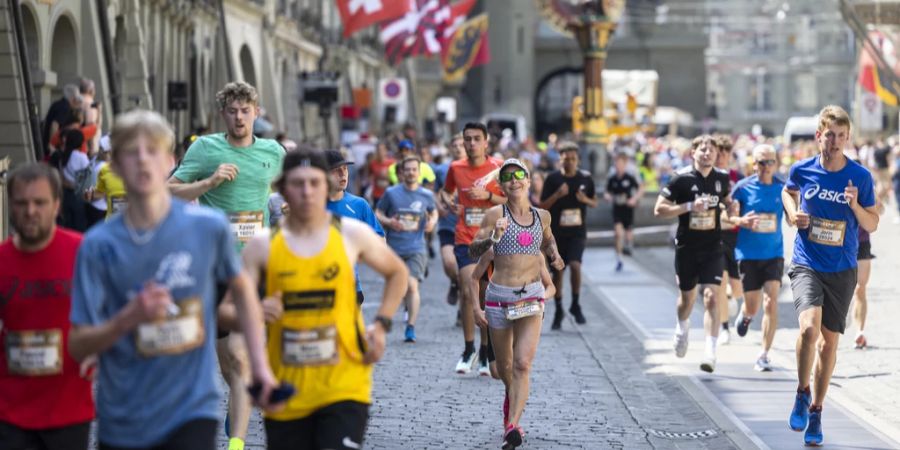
(760, 98)
(805, 92)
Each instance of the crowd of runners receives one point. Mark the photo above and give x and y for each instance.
(245, 252)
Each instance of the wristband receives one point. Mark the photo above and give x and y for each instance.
(493, 239)
(687, 206)
(490, 195)
(385, 322)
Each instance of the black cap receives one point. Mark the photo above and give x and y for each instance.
(304, 158)
(336, 159)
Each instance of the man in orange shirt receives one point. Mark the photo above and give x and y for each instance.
(476, 180)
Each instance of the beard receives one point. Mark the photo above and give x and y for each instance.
(32, 235)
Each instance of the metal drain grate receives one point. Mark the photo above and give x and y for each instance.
(683, 435)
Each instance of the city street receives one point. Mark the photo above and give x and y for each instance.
(615, 383)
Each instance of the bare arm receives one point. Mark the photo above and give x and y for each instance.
(246, 301)
(193, 191)
(868, 217)
(667, 209)
(548, 244)
(791, 203)
(491, 224)
(547, 281)
(432, 221)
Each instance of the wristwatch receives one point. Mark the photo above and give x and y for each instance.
(385, 322)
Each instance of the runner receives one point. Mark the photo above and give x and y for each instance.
(695, 195)
(731, 277)
(473, 180)
(447, 222)
(838, 198)
(378, 171)
(143, 298)
(566, 194)
(233, 172)
(405, 149)
(109, 186)
(512, 314)
(756, 207)
(624, 190)
(408, 211)
(315, 335)
(345, 204)
(864, 259)
(44, 401)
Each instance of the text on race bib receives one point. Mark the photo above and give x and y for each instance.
(620, 199)
(173, 335)
(309, 347)
(474, 217)
(409, 221)
(524, 308)
(118, 203)
(703, 221)
(768, 223)
(827, 232)
(570, 218)
(246, 224)
(34, 352)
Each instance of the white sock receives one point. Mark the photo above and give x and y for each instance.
(711, 345)
(681, 326)
(763, 354)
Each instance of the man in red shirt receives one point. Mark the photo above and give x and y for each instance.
(45, 403)
(476, 180)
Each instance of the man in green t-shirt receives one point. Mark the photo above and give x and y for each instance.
(233, 172)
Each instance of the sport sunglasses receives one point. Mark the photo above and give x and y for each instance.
(508, 176)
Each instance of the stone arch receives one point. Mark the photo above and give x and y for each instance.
(553, 100)
(248, 69)
(32, 36)
(64, 53)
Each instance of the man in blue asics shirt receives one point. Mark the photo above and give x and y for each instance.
(760, 247)
(828, 197)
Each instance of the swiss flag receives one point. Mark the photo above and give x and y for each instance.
(358, 14)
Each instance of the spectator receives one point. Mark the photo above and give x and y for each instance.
(71, 163)
(75, 121)
(57, 113)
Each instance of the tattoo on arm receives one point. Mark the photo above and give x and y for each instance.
(478, 247)
(549, 248)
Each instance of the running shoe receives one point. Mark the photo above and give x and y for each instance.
(466, 362)
(410, 335)
(452, 294)
(861, 342)
(763, 364)
(742, 324)
(484, 369)
(513, 437)
(724, 337)
(681, 343)
(814, 436)
(557, 319)
(800, 413)
(619, 266)
(708, 363)
(575, 311)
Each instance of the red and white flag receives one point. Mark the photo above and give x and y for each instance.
(419, 32)
(358, 14)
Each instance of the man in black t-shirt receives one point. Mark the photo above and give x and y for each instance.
(697, 195)
(566, 194)
(624, 191)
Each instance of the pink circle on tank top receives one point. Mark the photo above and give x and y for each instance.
(525, 239)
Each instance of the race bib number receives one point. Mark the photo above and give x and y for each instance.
(34, 352)
(474, 217)
(570, 218)
(524, 308)
(409, 222)
(173, 335)
(768, 223)
(703, 221)
(827, 232)
(620, 199)
(118, 204)
(309, 347)
(246, 224)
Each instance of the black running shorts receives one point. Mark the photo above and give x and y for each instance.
(729, 242)
(865, 251)
(756, 272)
(570, 249)
(693, 266)
(832, 291)
(338, 426)
(623, 215)
(199, 434)
(71, 437)
(447, 237)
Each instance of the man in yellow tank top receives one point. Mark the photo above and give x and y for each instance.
(317, 339)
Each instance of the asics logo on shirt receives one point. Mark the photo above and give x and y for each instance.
(825, 194)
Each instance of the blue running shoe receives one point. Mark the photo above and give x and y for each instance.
(410, 335)
(619, 266)
(814, 436)
(800, 413)
(742, 324)
(227, 425)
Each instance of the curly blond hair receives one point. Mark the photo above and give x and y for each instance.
(237, 90)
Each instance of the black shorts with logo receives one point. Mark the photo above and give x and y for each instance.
(337, 426)
(865, 251)
(624, 215)
(832, 291)
(697, 266)
(729, 242)
(756, 272)
(570, 248)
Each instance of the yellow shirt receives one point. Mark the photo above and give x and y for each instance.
(110, 185)
(319, 342)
